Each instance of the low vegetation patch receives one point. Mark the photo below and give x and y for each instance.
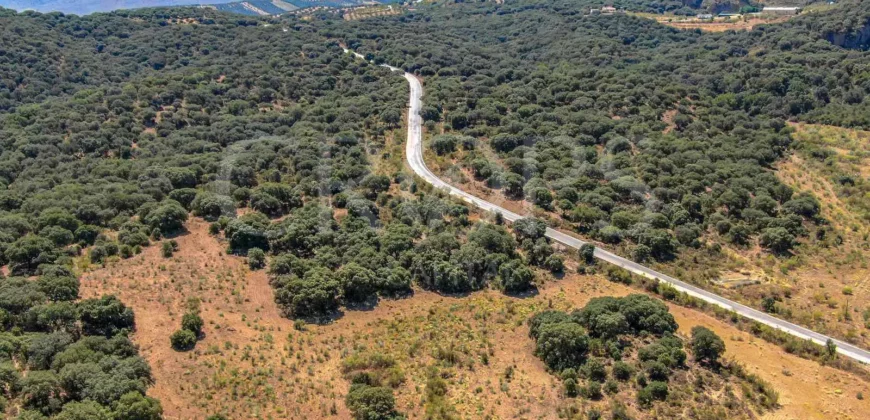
(68, 359)
(616, 348)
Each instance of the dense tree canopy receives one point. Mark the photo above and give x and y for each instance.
(612, 340)
(114, 127)
(80, 362)
(629, 130)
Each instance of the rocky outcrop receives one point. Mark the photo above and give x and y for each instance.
(853, 40)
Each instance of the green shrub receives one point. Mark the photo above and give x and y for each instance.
(183, 340)
(587, 253)
(166, 249)
(192, 322)
(570, 387)
(645, 398)
(256, 258)
(562, 345)
(595, 370)
(706, 346)
(658, 390)
(125, 251)
(592, 390)
(622, 371)
(540, 319)
(371, 403)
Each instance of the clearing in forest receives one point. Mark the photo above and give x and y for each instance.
(253, 363)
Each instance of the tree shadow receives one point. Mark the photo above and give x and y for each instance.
(367, 305)
(461, 294)
(399, 295)
(176, 234)
(325, 319)
(526, 294)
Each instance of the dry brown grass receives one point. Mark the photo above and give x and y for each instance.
(718, 24)
(253, 364)
(721, 26)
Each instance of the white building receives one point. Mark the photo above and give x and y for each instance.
(776, 10)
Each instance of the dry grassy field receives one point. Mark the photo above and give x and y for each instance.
(717, 24)
(253, 363)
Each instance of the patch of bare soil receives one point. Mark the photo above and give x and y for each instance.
(240, 366)
(668, 118)
(720, 25)
(252, 363)
(807, 390)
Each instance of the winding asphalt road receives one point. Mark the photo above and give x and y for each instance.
(414, 154)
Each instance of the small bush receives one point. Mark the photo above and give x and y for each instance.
(657, 371)
(167, 250)
(593, 414)
(707, 346)
(592, 390)
(611, 387)
(183, 340)
(618, 275)
(555, 263)
(595, 370)
(587, 253)
(192, 322)
(622, 371)
(570, 387)
(644, 398)
(658, 390)
(256, 258)
(370, 402)
(125, 251)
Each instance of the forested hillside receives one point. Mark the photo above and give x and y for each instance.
(117, 129)
(115, 126)
(660, 143)
(112, 150)
(169, 112)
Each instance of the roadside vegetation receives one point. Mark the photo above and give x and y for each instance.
(660, 144)
(240, 179)
(614, 347)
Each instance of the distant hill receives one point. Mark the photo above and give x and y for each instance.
(277, 7)
(84, 7)
(253, 7)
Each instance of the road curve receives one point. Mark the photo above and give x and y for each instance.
(414, 155)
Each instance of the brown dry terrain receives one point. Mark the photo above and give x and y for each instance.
(252, 363)
(721, 25)
(827, 278)
(717, 24)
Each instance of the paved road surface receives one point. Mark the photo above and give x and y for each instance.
(414, 154)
